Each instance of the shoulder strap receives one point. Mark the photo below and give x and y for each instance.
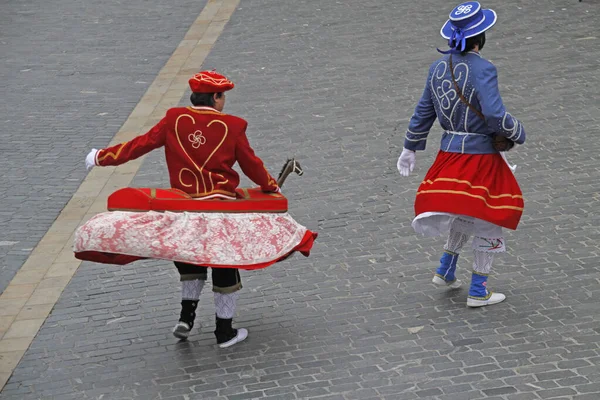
(460, 95)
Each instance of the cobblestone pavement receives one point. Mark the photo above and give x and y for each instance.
(71, 73)
(334, 84)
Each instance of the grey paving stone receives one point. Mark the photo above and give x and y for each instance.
(500, 390)
(71, 75)
(332, 83)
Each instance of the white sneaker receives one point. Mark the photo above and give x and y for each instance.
(495, 298)
(242, 334)
(181, 330)
(455, 284)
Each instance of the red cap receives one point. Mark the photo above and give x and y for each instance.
(210, 82)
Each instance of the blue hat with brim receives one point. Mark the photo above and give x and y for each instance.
(466, 20)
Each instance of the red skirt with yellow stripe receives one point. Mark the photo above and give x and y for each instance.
(477, 185)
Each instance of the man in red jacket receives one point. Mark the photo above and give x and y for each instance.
(201, 146)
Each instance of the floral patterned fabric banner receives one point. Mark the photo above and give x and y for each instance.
(212, 239)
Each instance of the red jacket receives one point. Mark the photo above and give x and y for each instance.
(201, 147)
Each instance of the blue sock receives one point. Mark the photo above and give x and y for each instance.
(447, 268)
(478, 288)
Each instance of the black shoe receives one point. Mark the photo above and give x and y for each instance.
(226, 335)
(186, 319)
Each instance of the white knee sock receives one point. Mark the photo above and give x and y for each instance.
(459, 235)
(225, 304)
(456, 241)
(482, 261)
(190, 290)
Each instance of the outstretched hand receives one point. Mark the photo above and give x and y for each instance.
(90, 160)
(406, 162)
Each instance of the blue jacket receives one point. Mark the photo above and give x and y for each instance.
(464, 131)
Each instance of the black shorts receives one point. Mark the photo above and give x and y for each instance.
(225, 280)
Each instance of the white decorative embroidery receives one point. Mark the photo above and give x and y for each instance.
(444, 97)
(462, 9)
(416, 133)
(467, 111)
(445, 94)
(449, 143)
(197, 139)
(514, 129)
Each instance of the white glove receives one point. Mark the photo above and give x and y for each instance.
(406, 162)
(90, 160)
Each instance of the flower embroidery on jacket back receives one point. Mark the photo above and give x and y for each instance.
(197, 139)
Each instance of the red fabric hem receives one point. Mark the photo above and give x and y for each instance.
(303, 248)
(449, 204)
(476, 185)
